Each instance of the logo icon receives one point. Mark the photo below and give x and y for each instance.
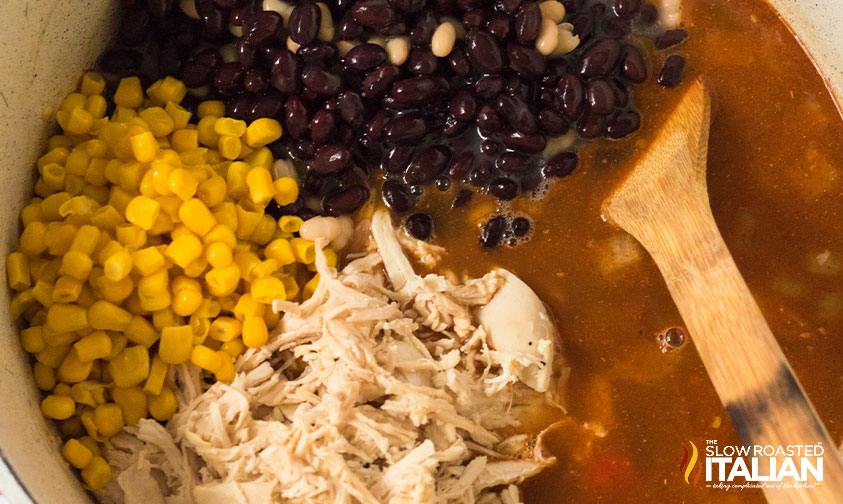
(689, 462)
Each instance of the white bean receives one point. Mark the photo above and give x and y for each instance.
(282, 8)
(320, 227)
(326, 24)
(199, 92)
(555, 145)
(567, 40)
(346, 232)
(553, 10)
(443, 39)
(458, 26)
(292, 46)
(377, 40)
(284, 168)
(235, 30)
(548, 37)
(229, 53)
(189, 8)
(398, 49)
(343, 46)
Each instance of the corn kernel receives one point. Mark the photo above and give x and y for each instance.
(67, 318)
(196, 216)
(186, 301)
(132, 402)
(118, 265)
(218, 254)
(163, 406)
(229, 147)
(222, 281)
(262, 132)
(108, 316)
(33, 239)
(261, 188)
(142, 211)
(255, 333)
(182, 183)
(140, 331)
(226, 214)
(108, 419)
(45, 376)
(286, 191)
(171, 90)
(207, 136)
(225, 372)
(185, 140)
(290, 223)
(58, 407)
(205, 358)
(92, 84)
(247, 221)
(144, 147)
(265, 268)
(166, 318)
(118, 344)
(17, 271)
(157, 375)
(32, 339)
(176, 344)
(179, 114)
(96, 474)
(233, 348)
(211, 108)
(129, 93)
(264, 231)
(236, 180)
(130, 367)
(76, 454)
(266, 290)
(246, 261)
(73, 369)
(196, 268)
(159, 121)
(220, 233)
(225, 329)
(96, 345)
(310, 287)
(96, 106)
(184, 250)
(304, 250)
(78, 121)
(230, 127)
(89, 393)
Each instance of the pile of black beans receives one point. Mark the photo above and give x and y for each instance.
(477, 119)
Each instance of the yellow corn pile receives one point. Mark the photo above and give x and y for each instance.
(147, 246)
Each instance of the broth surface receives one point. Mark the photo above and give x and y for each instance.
(774, 175)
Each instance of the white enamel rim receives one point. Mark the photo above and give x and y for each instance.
(44, 47)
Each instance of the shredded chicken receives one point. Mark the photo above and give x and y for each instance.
(369, 392)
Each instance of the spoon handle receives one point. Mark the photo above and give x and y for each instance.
(664, 205)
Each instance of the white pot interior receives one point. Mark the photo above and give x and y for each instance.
(44, 48)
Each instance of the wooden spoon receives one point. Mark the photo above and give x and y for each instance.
(664, 205)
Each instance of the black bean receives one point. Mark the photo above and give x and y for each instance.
(422, 31)
(463, 105)
(626, 8)
(365, 57)
(489, 87)
(263, 28)
(295, 117)
(443, 183)
(671, 73)
(570, 95)
(510, 6)
(590, 125)
(485, 52)
(268, 54)
(348, 29)
(392, 30)
(421, 61)
(527, 61)
(313, 183)
(379, 80)
(322, 127)
(600, 59)
(331, 158)
(134, 27)
(460, 165)
(512, 162)
(489, 147)
(520, 226)
(374, 13)
(521, 142)
(160, 8)
(528, 22)
(488, 120)
(600, 97)
(406, 129)
(228, 4)
(462, 198)
(415, 90)
(304, 21)
(306, 213)
(649, 14)
(480, 174)
(268, 105)
(453, 127)
(617, 28)
(633, 67)
(397, 159)
(239, 15)
(503, 188)
(500, 25)
(552, 122)
(621, 93)
(255, 81)
(419, 226)
(210, 57)
(321, 81)
(351, 109)
(492, 232)
(427, 165)
(475, 18)
(318, 53)
(471, 4)
(305, 150)
(459, 63)
(196, 74)
(517, 87)
(228, 78)
(396, 196)
(246, 54)
(560, 165)
(408, 6)
(583, 26)
(376, 129)
(517, 113)
(670, 38)
(239, 107)
(623, 124)
(347, 201)
(285, 74)
(214, 23)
